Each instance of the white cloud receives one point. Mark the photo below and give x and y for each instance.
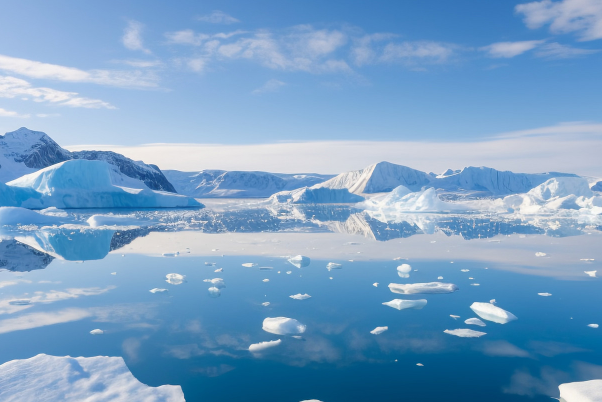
(132, 37)
(141, 63)
(218, 17)
(363, 51)
(186, 37)
(36, 320)
(423, 51)
(9, 113)
(36, 69)
(49, 297)
(569, 148)
(11, 87)
(44, 115)
(510, 49)
(558, 51)
(583, 17)
(272, 85)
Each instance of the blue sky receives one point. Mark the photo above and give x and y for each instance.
(240, 72)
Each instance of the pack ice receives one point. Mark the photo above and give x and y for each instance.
(86, 184)
(283, 326)
(45, 378)
(489, 312)
(430, 287)
(584, 391)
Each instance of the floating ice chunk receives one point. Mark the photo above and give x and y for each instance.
(430, 287)
(439, 277)
(492, 301)
(219, 270)
(266, 280)
(455, 317)
(20, 302)
(113, 273)
(158, 290)
(265, 304)
(545, 294)
(583, 391)
(177, 253)
(283, 326)
(289, 272)
(475, 321)
(300, 261)
(465, 270)
(540, 254)
(375, 284)
(591, 273)
(471, 278)
(404, 270)
(96, 221)
(299, 337)
(215, 249)
(97, 332)
(300, 296)
(174, 279)
(465, 333)
(593, 325)
(69, 379)
(261, 346)
(311, 400)
(489, 312)
(587, 259)
(378, 330)
(249, 264)
(210, 264)
(214, 291)
(475, 284)
(216, 282)
(420, 364)
(333, 265)
(405, 304)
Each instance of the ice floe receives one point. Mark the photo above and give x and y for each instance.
(333, 265)
(489, 312)
(76, 379)
(283, 326)
(405, 304)
(175, 279)
(158, 290)
(249, 264)
(216, 282)
(210, 264)
(261, 346)
(475, 321)
(219, 270)
(415, 288)
(465, 333)
(266, 280)
(300, 261)
(300, 296)
(404, 270)
(593, 325)
(379, 330)
(545, 294)
(455, 317)
(375, 284)
(97, 332)
(540, 254)
(265, 304)
(214, 291)
(583, 391)
(591, 273)
(440, 278)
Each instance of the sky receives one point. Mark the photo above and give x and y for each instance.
(222, 80)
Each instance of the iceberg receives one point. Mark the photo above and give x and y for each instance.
(405, 304)
(76, 379)
(415, 288)
(262, 346)
(583, 391)
(97, 332)
(465, 333)
(300, 261)
(300, 296)
(158, 290)
(214, 291)
(283, 326)
(96, 221)
(265, 304)
(311, 195)
(249, 264)
(85, 184)
(404, 270)
(475, 321)
(402, 199)
(489, 312)
(540, 254)
(545, 294)
(333, 265)
(216, 282)
(378, 330)
(175, 279)
(593, 325)
(591, 273)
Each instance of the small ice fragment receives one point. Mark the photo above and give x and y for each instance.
(265, 304)
(299, 337)
(113, 273)
(174, 279)
(158, 290)
(378, 330)
(471, 278)
(430, 287)
(330, 277)
(217, 282)
(439, 277)
(475, 321)
(375, 284)
(593, 325)
(492, 301)
(210, 264)
(404, 270)
(540, 254)
(299, 261)
(20, 302)
(249, 264)
(455, 317)
(177, 253)
(465, 333)
(261, 346)
(289, 272)
(464, 270)
(214, 249)
(405, 304)
(545, 294)
(283, 326)
(278, 272)
(490, 312)
(300, 296)
(214, 291)
(333, 265)
(219, 270)
(399, 258)
(420, 364)
(591, 273)
(475, 284)
(587, 259)
(266, 280)
(97, 332)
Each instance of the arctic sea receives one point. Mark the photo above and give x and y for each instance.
(69, 282)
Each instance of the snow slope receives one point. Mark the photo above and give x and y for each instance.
(316, 196)
(233, 184)
(85, 184)
(25, 151)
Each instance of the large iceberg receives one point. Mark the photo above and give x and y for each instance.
(86, 184)
(45, 378)
(401, 199)
(311, 195)
(300, 261)
(283, 326)
(489, 312)
(584, 391)
(430, 287)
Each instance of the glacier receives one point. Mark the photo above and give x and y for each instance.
(85, 184)
(320, 195)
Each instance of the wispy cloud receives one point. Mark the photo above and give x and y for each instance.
(10, 113)
(508, 50)
(39, 70)
(272, 85)
(583, 17)
(418, 51)
(132, 37)
(218, 17)
(11, 87)
(558, 51)
(36, 320)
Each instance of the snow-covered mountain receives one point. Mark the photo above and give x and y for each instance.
(233, 184)
(25, 151)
